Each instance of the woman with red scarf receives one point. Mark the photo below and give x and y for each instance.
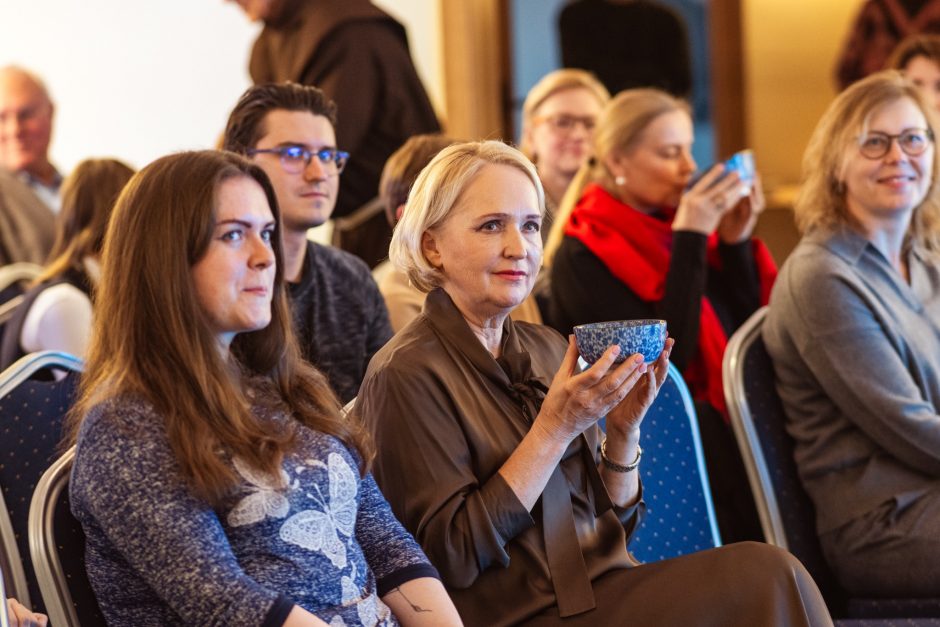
(639, 242)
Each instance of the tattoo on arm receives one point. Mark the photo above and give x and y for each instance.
(417, 609)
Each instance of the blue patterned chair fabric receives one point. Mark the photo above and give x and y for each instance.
(787, 514)
(680, 518)
(31, 413)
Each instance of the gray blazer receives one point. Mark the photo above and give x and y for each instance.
(856, 352)
(27, 225)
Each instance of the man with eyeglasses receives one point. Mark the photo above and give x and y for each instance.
(339, 314)
(358, 54)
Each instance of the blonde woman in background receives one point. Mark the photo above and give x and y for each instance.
(558, 120)
(636, 239)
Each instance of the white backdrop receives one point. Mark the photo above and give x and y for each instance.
(136, 80)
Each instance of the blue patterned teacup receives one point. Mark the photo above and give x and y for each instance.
(647, 337)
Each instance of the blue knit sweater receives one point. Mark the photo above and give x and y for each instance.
(157, 555)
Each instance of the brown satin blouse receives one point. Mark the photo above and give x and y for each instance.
(446, 415)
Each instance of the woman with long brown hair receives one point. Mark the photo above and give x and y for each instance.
(56, 312)
(215, 478)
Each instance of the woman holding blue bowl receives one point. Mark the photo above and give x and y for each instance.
(635, 237)
(487, 445)
(854, 333)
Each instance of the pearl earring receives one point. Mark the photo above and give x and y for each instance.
(620, 180)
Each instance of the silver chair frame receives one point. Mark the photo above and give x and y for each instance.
(4, 617)
(21, 271)
(11, 566)
(42, 546)
(742, 421)
(7, 308)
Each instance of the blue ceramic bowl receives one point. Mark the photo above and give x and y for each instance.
(634, 336)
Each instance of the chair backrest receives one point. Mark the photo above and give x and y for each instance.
(31, 413)
(786, 512)
(680, 517)
(57, 548)
(14, 273)
(13, 284)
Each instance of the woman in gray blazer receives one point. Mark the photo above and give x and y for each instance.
(854, 333)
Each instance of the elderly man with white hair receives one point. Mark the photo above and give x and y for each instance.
(26, 112)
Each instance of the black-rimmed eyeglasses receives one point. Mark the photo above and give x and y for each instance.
(913, 141)
(296, 159)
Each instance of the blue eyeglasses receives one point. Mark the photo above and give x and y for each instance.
(296, 159)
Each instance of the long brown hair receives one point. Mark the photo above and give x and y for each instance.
(151, 340)
(88, 195)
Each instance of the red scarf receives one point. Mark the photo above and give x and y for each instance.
(636, 248)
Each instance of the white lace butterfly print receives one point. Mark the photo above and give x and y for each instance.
(320, 531)
(264, 500)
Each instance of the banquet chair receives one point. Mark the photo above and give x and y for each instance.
(680, 517)
(31, 415)
(12, 277)
(57, 548)
(786, 512)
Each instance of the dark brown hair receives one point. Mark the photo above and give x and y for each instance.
(402, 168)
(151, 339)
(914, 46)
(88, 196)
(245, 123)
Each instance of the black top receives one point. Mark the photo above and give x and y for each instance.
(627, 44)
(583, 290)
(339, 316)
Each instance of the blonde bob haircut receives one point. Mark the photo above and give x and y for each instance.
(619, 130)
(549, 85)
(821, 203)
(435, 194)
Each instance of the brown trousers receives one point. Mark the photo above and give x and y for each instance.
(748, 583)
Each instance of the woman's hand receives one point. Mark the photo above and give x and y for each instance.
(22, 617)
(627, 416)
(738, 224)
(575, 401)
(703, 206)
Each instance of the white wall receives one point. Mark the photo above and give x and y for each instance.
(136, 80)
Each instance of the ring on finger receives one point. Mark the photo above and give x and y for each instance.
(720, 204)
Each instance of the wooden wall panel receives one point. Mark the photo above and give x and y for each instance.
(476, 67)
